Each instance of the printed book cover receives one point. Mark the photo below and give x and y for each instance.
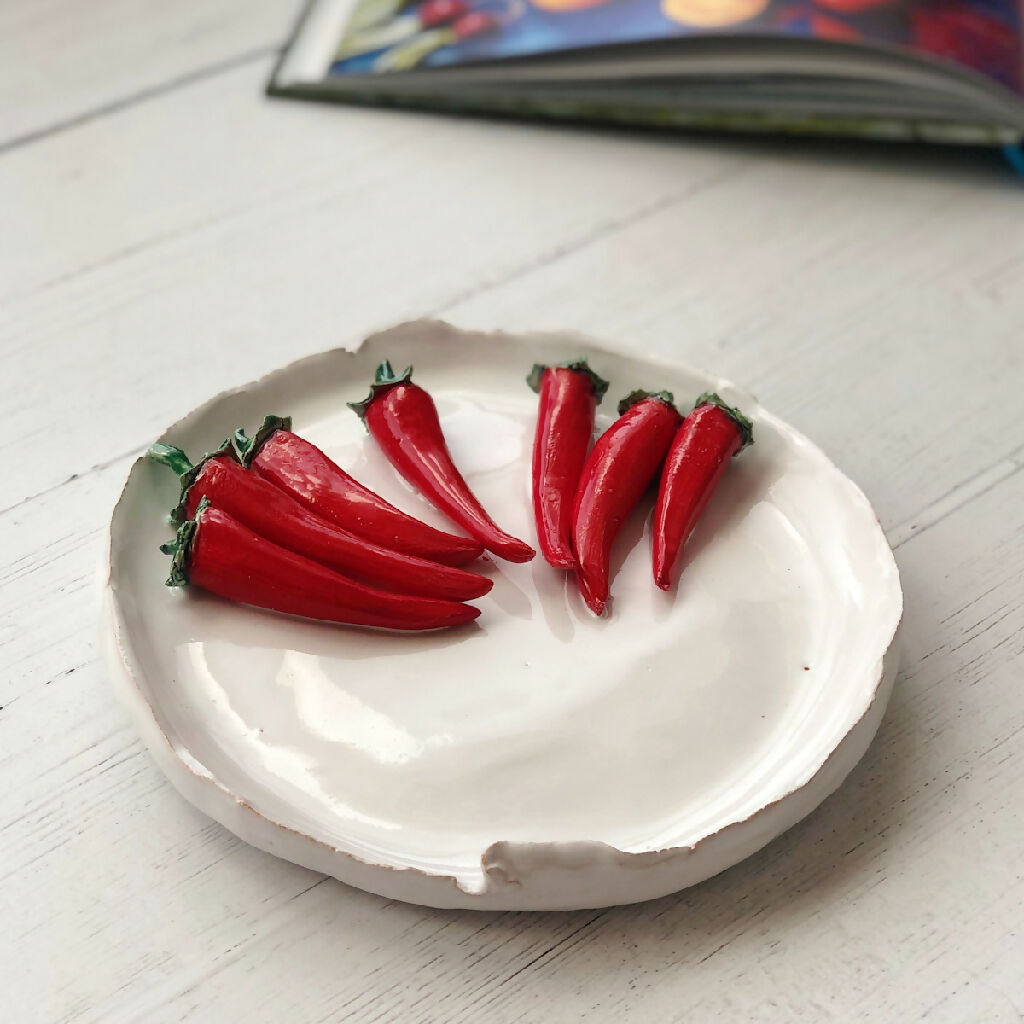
(386, 35)
(938, 70)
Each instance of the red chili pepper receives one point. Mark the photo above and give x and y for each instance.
(213, 550)
(403, 420)
(701, 449)
(258, 504)
(569, 396)
(618, 471)
(308, 476)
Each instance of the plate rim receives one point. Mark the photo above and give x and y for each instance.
(518, 874)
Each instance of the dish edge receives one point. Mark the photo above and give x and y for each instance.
(518, 876)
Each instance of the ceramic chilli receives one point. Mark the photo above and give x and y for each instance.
(402, 418)
(306, 474)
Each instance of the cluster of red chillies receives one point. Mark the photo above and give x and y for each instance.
(271, 521)
(580, 501)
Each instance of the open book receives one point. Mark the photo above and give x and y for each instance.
(941, 70)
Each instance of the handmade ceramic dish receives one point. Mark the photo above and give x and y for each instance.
(540, 757)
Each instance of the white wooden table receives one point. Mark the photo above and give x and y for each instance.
(165, 232)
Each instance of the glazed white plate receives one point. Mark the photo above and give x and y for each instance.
(540, 757)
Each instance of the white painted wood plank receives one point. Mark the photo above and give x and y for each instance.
(875, 303)
(187, 259)
(182, 257)
(174, 273)
(880, 313)
(61, 59)
(873, 906)
(83, 807)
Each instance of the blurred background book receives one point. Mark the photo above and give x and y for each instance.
(935, 70)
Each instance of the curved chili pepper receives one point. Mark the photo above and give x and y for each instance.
(569, 396)
(617, 472)
(403, 420)
(258, 504)
(308, 476)
(708, 438)
(213, 550)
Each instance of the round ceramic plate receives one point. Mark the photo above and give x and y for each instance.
(540, 757)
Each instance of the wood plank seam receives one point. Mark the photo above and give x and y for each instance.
(957, 497)
(598, 233)
(593, 236)
(97, 468)
(138, 97)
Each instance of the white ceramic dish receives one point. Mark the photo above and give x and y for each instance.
(539, 758)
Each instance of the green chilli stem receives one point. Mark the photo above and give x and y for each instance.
(640, 395)
(180, 549)
(247, 448)
(599, 384)
(746, 428)
(177, 460)
(173, 458)
(383, 380)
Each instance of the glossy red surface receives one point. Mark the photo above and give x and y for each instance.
(232, 561)
(306, 474)
(700, 452)
(565, 424)
(272, 514)
(404, 422)
(619, 469)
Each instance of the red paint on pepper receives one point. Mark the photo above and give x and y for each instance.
(272, 514)
(403, 420)
(308, 476)
(569, 396)
(708, 438)
(218, 553)
(617, 472)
